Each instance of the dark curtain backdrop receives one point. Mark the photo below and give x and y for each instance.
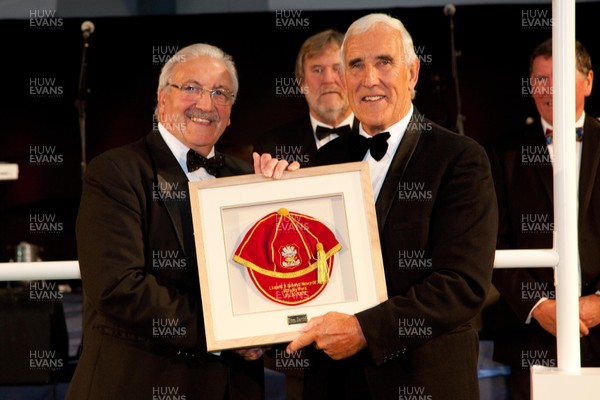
(41, 71)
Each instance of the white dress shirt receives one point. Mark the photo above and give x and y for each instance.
(579, 146)
(379, 168)
(180, 150)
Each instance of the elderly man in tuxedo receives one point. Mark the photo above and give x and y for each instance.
(143, 333)
(435, 205)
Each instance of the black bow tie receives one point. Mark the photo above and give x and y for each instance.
(323, 132)
(377, 144)
(211, 165)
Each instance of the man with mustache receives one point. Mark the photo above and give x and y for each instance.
(143, 333)
(437, 219)
(318, 77)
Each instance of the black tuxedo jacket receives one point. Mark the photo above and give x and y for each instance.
(437, 220)
(294, 141)
(524, 185)
(143, 330)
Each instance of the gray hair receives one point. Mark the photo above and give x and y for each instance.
(195, 51)
(367, 22)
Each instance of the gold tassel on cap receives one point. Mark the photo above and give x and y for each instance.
(322, 267)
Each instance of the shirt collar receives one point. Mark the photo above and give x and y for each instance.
(396, 131)
(578, 124)
(178, 149)
(348, 121)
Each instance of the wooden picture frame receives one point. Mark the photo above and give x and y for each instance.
(239, 315)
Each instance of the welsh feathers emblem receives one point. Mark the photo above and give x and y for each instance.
(289, 256)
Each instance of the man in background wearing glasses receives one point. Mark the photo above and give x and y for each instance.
(143, 331)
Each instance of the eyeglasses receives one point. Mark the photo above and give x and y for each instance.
(192, 91)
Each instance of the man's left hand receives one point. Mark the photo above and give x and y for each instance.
(271, 167)
(589, 310)
(338, 335)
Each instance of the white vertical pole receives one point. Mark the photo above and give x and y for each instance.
(565, 185)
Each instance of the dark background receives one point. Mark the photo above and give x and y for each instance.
(123, 71)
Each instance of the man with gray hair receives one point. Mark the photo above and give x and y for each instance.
(437, 218)
(143, 328)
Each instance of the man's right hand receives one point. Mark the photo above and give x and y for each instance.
(271, 167)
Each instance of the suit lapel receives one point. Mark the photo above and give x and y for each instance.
(169, 176)
(389, 189)
(544, 172)
(590, 159)
(307, 140)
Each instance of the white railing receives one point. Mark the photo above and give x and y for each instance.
(33, 271)
(59, 270)
(565, 185)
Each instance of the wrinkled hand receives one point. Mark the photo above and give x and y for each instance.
(338, 335)
(271, 167)
(589, 310)
(545, 315)
(251, 353)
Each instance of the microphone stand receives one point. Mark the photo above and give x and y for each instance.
(459, 117)
(80, 103)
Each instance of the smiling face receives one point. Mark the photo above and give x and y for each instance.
(323, 86)
(196, 122)
(379, 82)
(541, 79)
